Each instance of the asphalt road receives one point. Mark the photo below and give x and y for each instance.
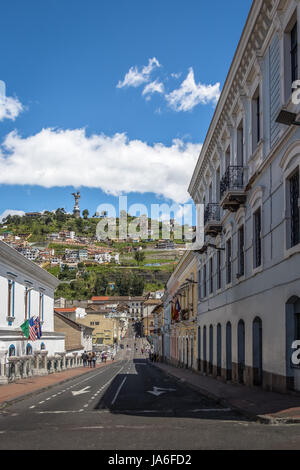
(130, 404)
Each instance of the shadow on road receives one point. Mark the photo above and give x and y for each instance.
(146, 391)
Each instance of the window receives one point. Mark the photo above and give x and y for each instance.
(241, 252)
(27, 302)
(204, 281)
(255, 119)
(219, 274)
(227, 158)
(228, 261)
(294, 53)
(240, 145)
(211, 280)
(11, 298)
(257, 238)
(97, 323)
(41, 306)
(199, 284)
(294, 209)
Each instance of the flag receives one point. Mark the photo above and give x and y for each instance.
(32, 332)
(38, 328)
(25, 328)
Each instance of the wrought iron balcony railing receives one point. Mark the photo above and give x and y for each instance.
(233, 180)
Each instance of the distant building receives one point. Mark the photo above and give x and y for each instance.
(32, 214)
(78, 337)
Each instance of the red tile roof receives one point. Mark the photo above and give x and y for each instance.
(100, 298)
(73, 309)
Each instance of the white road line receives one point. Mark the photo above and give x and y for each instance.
(118, 391)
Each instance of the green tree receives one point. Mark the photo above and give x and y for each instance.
(101, 284)
(139, 256)
(137, 285)
(85, 213)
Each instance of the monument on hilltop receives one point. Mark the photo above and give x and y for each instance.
(76, 210)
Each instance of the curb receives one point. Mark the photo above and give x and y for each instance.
(263, 419)
(7, 403)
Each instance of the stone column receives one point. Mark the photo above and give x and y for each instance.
(17, 361)
(63, 355)
(23, 362)
(43, 362)
(58, 359)
(36, 369)
(52, 370)
(75, 355)
(3, 375)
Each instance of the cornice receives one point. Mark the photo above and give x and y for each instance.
(15, 260)
(255, 31)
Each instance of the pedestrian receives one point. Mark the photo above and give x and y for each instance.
(84, 358)
(105, 357)
(90, 359)
(94, 359)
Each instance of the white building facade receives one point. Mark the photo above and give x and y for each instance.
(26, 291)
(247, 178)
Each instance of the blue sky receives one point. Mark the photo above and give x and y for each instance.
(79, 70)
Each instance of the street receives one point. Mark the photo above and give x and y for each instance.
(130, 404)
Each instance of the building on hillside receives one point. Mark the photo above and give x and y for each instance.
(26, 291)
(247, 177)
(135, 303)
(78, 337)
(30, 253)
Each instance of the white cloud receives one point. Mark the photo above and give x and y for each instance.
(190, 94)
(115, 164)
(135, 78)
(153, 87)
(10, 108)
(8, 212)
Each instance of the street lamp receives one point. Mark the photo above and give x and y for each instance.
(287, 118)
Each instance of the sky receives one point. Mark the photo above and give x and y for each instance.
(108, 97)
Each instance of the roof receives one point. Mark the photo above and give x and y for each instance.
(71, 323)
(61, 310)
(118, 298)
(99, 298)
(152, 302)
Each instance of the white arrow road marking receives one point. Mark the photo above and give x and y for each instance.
(80, 392)
(159, 391)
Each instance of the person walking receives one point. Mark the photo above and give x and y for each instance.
(84, 358)
(90, 359)
(94, 359)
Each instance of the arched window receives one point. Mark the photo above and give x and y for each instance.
(257, 352)
(219, 350)
(11, 350)
(241, 350)
(28, 350)
(43, 347)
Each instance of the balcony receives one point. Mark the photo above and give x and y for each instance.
(232, 189)
(212, 220)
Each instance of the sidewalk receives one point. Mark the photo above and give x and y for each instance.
(267, 407)
(18, 390)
